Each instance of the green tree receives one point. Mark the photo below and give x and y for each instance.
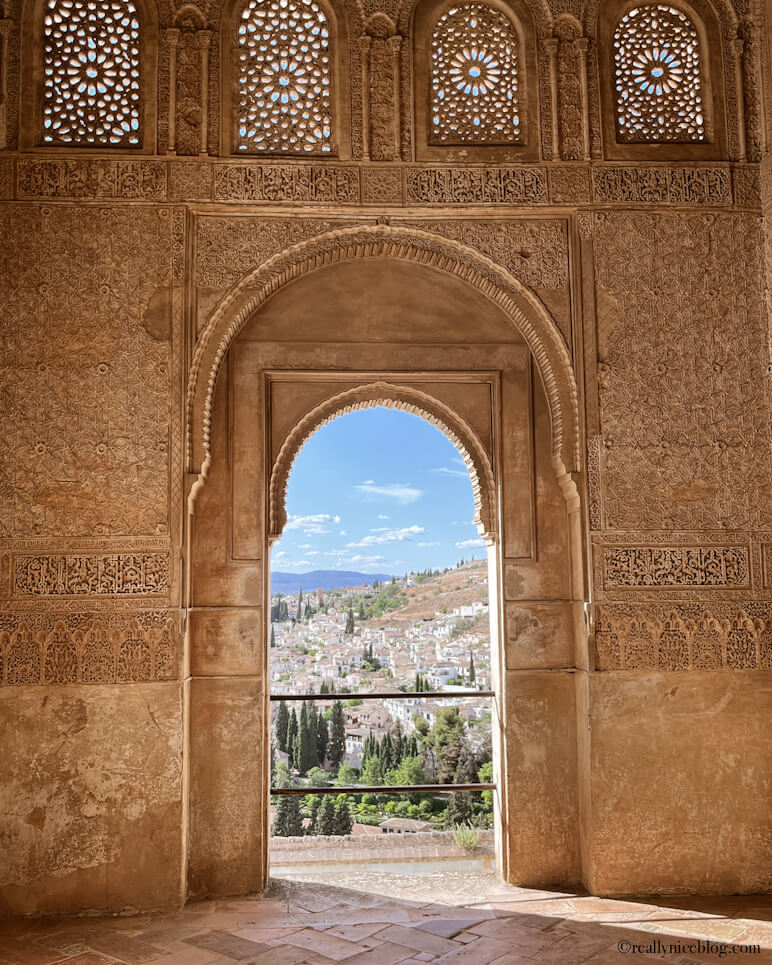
(361, 610)
(336, 748)
(325, 818)
(485, 776)
(312, 803)
(386, 753)
(289, 821)
(346, 775)
(322, 739)
(472, 675)
(459, 809)
(282, 723)
(292, 736)
(447, 739)
(273, 636)
(342, 821)
(372, 774)
(410, 771)
(349, 622)
(466, 767)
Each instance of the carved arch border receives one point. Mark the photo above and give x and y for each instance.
(390, 395)
(526, 313)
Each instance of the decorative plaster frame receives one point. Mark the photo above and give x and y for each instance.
(526, 313)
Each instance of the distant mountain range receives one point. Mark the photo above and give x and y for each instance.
(324, 579)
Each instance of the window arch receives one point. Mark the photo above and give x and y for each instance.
(91, 73)
(658, 77)
(93, 64)
(663, 80)
(283, 85)
(476, 78)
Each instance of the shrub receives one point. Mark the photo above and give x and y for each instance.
(466, 837)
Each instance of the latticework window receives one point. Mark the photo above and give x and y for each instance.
(91, 72)
(283, 76)
(474, 77)
(658, 79)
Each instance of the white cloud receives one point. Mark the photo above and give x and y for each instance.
(429, 544)
(451, 472)
(391, 536)
(313, 553)
(317, 523)
(305, 546)
(294, 563)
(476, 541)
(343, 533)
(381, 516)
(380, 529)
(280, 553)
(402, 493)
(361, 562)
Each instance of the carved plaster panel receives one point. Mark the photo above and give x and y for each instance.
(91, 178)
(646, 637)
(682, 371)
(662, 185)
(120, 574)
(89, 648)
(86, 370)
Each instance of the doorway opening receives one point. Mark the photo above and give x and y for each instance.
(383, 657)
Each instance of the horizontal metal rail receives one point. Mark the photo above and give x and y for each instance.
(380, 695)
(386, 789)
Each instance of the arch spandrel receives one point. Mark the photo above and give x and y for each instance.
(525, 313)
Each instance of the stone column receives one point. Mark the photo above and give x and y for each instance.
(5, 30)
(204, 40)
(581, 44)
(172, 35)
(364, 47)
(552, 49)
(395, 43)
(739, 45)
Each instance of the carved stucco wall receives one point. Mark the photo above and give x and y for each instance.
(654, 274)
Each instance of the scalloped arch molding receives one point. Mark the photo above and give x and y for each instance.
(526, 314)
(390, 395)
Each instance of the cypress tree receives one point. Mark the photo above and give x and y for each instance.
(292, 736)
(325, 819)
(289, 821)
(282, 723)
(459, 809)
(342, 821)
(472, 674)
(313, 736)
(322, 739)
(273, 636)
(336, 749)
(349, 622)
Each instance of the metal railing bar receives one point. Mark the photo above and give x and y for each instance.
(381, 695)
(386, 789)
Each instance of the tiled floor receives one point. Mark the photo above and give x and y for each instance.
(458, 918)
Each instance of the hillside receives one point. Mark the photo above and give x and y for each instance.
(321, 579)
(445, 592)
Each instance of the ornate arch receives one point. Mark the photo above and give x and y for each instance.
(391, 396)
(526, 314)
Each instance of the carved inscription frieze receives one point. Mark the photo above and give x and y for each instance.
(86, 370)
(88, 648)
(682, 371)
(491, 185)
(89, 178)
(662, 185)
(684, 637)
(286, 182)
(124, 574)
(669, 566)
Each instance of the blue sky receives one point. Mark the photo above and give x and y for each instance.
(378, 491)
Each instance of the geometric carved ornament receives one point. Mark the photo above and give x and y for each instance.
(282, 69)
(475, 82)
(658, 78)
(91, 68)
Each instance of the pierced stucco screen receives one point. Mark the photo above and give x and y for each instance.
(91, 73)
(475, 82)
(657, 76)
(283, 76)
